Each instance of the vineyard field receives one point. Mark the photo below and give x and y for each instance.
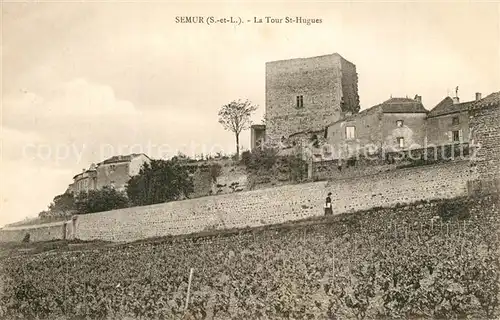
(428, 260)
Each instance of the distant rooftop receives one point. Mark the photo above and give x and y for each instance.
(490, 100)
(393, 105)
(402, 105)
(121, 158)
(447, 106)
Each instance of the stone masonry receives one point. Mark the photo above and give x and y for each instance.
(306, 94)
(277, 205)
(263, 206)
(484, 125)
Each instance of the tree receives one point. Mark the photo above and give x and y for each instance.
(160, 181)
(235, 117)
(104, 199)
(62, 204)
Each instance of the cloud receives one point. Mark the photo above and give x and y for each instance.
(75, 114)
(26, 189)
(81, 122)
(75, 99)
(46, 139)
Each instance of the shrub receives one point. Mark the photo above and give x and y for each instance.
(246, 157)
(297, 168)
(160, 181)
(215, 170)
(101, 200)
(261, 159)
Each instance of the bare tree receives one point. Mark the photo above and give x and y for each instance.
(235, 117)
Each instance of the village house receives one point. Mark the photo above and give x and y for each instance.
(448, 121)
(396, 124)
(84, 181)
(114, 172)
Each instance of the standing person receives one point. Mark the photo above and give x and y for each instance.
(328, 205)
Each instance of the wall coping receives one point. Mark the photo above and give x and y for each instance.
(205, 198)
(36, 226)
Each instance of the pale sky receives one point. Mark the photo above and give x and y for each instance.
(84, 81)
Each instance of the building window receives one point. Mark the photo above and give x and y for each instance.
(455, 121)
(315, 141)
(399, 123)
(300, 102)
(401, 142)
(350, 132)
(456, 136)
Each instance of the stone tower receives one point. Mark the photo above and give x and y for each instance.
(307, 94)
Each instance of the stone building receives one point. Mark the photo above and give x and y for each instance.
(306, 94)
(312, 105)
(116, 171)
(398, 123)
(84, 181)
(448, 121)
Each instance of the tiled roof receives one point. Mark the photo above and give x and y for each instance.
(492, 99)
(120, 158)
(393, 105)
(446, 106)
(402, 105)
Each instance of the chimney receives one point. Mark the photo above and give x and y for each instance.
(418, 98)
(478, 96)
(455, 100)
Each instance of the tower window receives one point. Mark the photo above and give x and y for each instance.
(455, 121)
(300, 102)
(401, 142)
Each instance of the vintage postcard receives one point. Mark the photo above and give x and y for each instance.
(250, 160)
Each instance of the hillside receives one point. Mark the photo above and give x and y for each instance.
(397, 262)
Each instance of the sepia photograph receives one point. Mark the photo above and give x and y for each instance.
(206, 160)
